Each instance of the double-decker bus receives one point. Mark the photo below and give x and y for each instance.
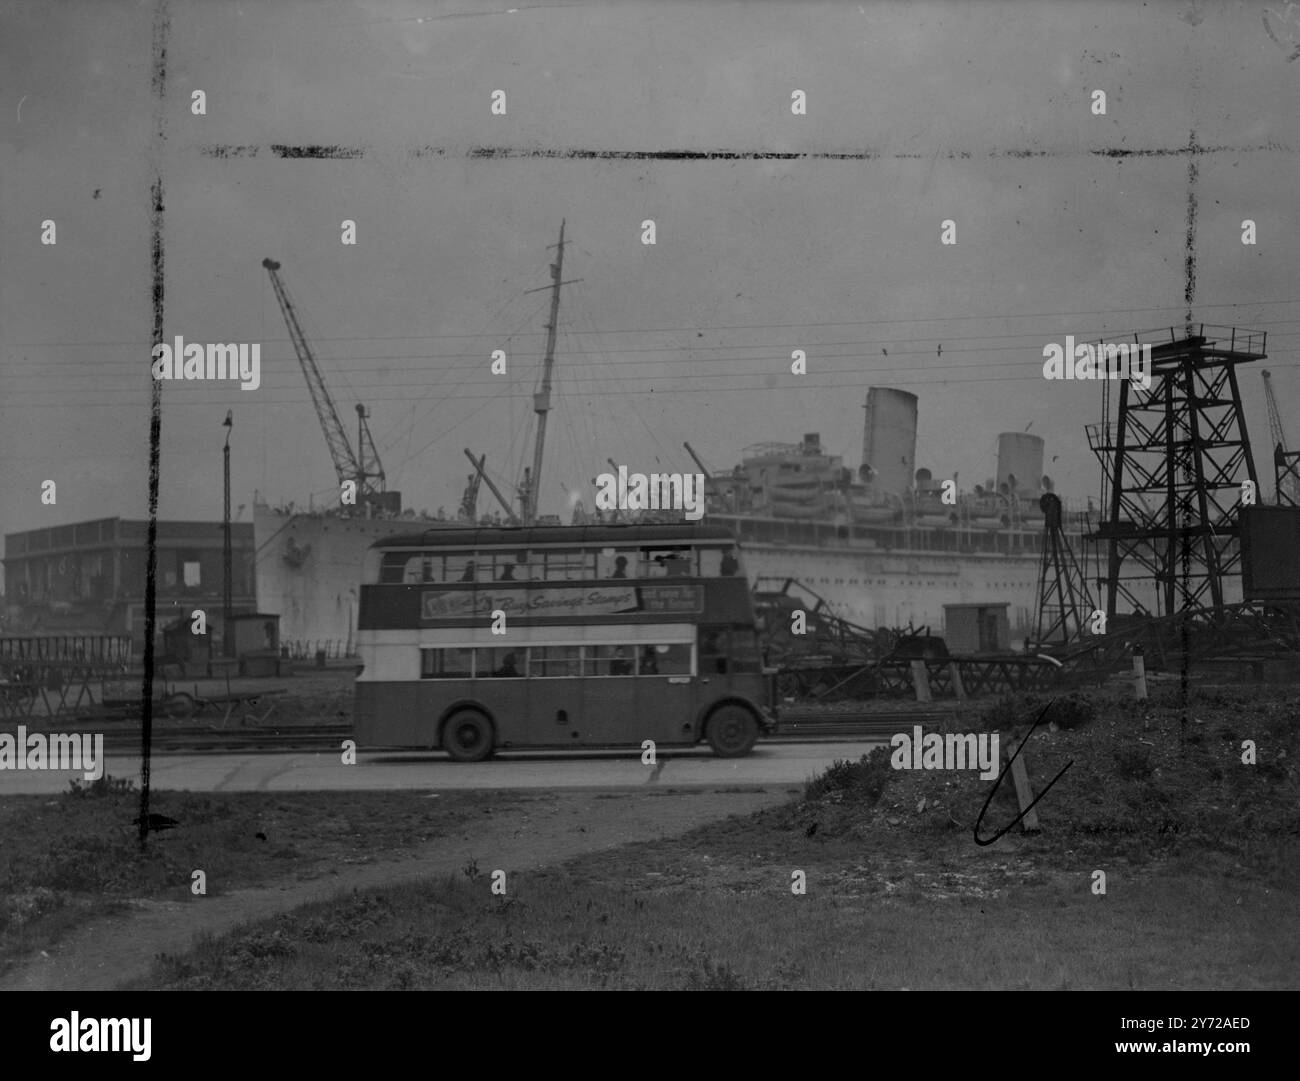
(476, 640)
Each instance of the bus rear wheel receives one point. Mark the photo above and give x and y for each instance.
(467, 736)
(731, 731)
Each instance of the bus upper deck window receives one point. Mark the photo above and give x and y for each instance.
(616, 563)
(667, 562)
(569, 565)
(718, 563)
(510, 567)
(395, 568)
(469, 567)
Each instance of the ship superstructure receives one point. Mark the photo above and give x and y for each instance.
(889, 544)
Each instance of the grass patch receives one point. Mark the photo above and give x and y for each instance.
(1199, 850)
(66, 859)
(1149, 781)
(561, 930)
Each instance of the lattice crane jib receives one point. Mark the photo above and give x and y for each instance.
(363, 465)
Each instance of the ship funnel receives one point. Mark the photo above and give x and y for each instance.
(1020, 460)
(889, 439)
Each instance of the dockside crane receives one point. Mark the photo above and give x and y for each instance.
(1288, 485)
(361, 465)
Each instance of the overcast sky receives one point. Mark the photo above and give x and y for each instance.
(687, 340)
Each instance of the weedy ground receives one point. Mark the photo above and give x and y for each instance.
(1202, 885)
(70, 858)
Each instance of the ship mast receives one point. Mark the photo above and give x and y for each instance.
(542, 398)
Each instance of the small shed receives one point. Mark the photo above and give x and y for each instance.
(257, 642)
(977, 628)
(188, 653)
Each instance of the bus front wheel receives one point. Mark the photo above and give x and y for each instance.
(731, 731)
(467, 736)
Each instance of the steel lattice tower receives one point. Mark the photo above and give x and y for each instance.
(1174, 460)
(1064, 603)
(1286, 476)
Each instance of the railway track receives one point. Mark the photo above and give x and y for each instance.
(198, 739)
(797, 726)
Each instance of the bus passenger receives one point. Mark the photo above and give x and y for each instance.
(620, 567)
(620, 665)
(508, 666)
(729, 564)
(468, 576)
(649, 663)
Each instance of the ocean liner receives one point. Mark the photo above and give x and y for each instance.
(885, 544)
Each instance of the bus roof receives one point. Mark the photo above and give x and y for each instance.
(526, 536)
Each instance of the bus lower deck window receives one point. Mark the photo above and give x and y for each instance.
(665, 660)
(498, 663)
(446, 663)
(554, 661)
(613, 660)
(745, 656)
(713, 649)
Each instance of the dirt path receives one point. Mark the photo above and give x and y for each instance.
(108, 951)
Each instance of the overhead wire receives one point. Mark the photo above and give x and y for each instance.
(1179, 321)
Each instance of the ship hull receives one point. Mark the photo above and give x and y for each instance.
(308, 570)
(875, 589)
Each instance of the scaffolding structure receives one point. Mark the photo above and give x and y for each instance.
(1174, 460)
(1286, 476)
(1063, 600)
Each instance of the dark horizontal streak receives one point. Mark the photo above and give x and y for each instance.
(671, 155)
(342, 153)
(280, 150)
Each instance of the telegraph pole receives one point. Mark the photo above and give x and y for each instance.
(227, 554)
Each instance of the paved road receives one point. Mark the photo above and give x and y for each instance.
(768, 764)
